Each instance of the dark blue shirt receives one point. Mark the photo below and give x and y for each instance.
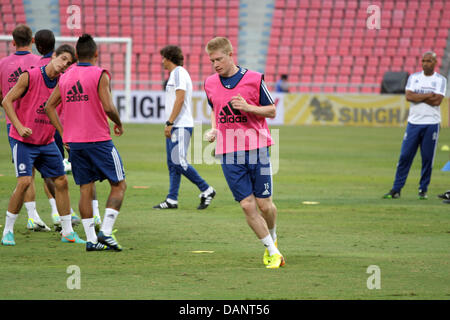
(22, 53)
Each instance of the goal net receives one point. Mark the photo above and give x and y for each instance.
(115, 55)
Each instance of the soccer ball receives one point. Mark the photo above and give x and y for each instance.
(67, 166)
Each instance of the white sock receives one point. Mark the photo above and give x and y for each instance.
(273, 233)
(171, 201)
(108, 221)
(208, 191)
(31, 210)
(270, 245)
(95, 209)
(53, 205)
(9, 224)
(66, 225)
(89, 230)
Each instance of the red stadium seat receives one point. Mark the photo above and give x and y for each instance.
(342, 89)
(333, 70)
(345, 70)
(371, 71)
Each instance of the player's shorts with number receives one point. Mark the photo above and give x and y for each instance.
(248, 172)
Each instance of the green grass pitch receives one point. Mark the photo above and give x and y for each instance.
(328, 246)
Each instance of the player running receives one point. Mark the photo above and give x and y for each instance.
(240, 103)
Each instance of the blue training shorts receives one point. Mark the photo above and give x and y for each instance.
(45, 158)
(94, 161)
(248, 172)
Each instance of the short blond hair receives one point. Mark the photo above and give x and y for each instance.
(219, 43)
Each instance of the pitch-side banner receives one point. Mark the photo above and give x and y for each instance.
(293, 109)
(350, 110)
(148, 107)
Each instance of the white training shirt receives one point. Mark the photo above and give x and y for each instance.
(421, 112)
(179, 79)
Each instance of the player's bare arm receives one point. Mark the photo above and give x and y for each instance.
(417, 97)
(179, 100)
(50, 109)
(435, 100)
(239, 103)
(104, 93)
(7, 103)
(210, 135)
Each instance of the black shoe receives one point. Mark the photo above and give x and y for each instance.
(392, 195)
(446, 201)
(109, 241)
(165, 205)
(445, 196)
(205, 200)
(96, 246)
(423, 195)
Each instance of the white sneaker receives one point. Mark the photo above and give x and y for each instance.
(37, 225)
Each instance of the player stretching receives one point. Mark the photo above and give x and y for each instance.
(33, 142)
(241, 102)
(11, 68)
(85, 94)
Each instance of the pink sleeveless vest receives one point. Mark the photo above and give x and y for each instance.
(44, 61)
(11, 67)
(83, 115)
(236, 129)
(31, 113)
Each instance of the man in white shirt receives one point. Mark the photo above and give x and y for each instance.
(425, 90)
(178, 130)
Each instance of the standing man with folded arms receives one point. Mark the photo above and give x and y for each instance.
(425, 90)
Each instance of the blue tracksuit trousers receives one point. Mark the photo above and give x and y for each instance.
(426, 137)
(176, 149)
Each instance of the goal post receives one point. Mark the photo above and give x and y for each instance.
(117, 78)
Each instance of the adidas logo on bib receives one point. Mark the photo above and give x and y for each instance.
(13, 77)
(230, 115)
(75, 94)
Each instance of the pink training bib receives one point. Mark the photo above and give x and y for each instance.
(236, 129)
(83, 115)
(11, 67)
(31, 113)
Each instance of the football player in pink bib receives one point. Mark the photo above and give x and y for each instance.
(45, 44)
(85, 94)
(11, 67)
(240, 104)
(32, 141)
